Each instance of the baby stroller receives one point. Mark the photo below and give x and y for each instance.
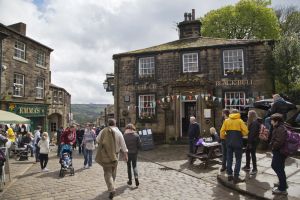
(65, 160)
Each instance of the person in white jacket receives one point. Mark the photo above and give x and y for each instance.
(43, 144)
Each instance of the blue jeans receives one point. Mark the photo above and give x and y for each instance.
(224, 153)
(278, 164)
(88, 154)
(238, 158)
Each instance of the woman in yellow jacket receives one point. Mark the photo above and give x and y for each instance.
(10, 134)
(233, 130)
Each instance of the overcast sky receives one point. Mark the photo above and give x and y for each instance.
(86, 33)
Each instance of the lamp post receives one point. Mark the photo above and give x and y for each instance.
(2, 37)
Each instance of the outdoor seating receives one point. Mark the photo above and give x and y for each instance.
(206, 152)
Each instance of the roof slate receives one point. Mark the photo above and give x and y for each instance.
(189, 43)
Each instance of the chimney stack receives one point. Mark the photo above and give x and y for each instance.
(193, 14)
(19, 27)
(185, 17)
(190, 27)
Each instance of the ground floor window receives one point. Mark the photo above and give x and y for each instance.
(146, 106)
(235, 100)
(53, 127)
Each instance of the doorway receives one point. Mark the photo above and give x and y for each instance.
(188, 110)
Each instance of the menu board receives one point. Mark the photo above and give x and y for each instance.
(146, 139)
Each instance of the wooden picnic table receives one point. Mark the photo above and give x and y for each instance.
(206, 152)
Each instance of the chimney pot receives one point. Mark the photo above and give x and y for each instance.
(193, 14)
(185, 16)
(190, 16)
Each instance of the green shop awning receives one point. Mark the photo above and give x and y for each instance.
(11, 118)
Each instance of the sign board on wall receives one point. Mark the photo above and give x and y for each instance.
(146, 139)
(234, 83)
(207, 113)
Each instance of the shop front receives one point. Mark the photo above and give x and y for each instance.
(37, 113)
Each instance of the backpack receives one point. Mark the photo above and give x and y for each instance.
(292, 142)
(263, 133)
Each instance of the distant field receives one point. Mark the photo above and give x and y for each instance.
(83, 113)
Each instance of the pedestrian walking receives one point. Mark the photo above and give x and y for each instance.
(68, 137)
(44, 146)
(37, 137)
(133, 143)
(278, 161)
(79, 135)
(234, 129)
(194, 133)
(111, 142)
(58, 136)
(88, 144)
(252, 142)
(225, 115)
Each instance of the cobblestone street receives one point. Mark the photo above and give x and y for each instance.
(156, 182)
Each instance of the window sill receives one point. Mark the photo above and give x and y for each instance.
(147, 120)
(20, 59)
(16, 96)
(38, 98)
(40, 66)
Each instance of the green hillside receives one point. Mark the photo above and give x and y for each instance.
(83, 113)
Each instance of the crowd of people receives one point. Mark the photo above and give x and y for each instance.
(111, 143)
(234, 132)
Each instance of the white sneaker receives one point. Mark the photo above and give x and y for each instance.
(86, 167)
(46, 170)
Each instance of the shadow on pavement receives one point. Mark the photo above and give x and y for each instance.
(119, 191)
(27, 175)
(51, 174)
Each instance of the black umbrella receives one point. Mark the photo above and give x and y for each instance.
(266, 104)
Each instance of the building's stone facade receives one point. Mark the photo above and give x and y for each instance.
(60, 109)
(200, 92)
(26, 78)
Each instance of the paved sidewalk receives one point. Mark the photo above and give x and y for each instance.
(259, 186)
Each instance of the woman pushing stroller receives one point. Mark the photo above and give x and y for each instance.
(68, 137)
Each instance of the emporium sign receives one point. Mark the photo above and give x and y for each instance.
(28, 110)
(234, 83)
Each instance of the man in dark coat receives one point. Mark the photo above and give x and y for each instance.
(193, 132)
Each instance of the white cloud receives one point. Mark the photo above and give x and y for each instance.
(86, 33)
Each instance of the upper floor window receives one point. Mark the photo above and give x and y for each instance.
(147, 106)
(235, 100)
(55, 96)
(233, 62)
(190, 62)
(20, 50)
(60, 97)
(18, 89)
(146, 67)
(40, 58)
(40, 88)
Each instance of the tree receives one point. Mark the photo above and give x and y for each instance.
(289, 19)
(286, 68)
(248, 19)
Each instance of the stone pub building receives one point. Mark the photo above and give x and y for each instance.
(160, 87)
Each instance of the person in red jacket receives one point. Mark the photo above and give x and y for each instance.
(68, 136)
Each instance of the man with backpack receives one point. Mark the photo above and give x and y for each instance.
(111, 142)
(278, 140)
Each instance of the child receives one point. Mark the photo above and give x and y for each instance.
(133, 143)
(44, 151)
(66, 160)
(214, 135)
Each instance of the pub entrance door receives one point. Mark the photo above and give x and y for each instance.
(188, 110)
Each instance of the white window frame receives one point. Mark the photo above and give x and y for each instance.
(18, 86)
(233, 62)
(147, 106)
(146, 67)
(190, 62)
(40, 89)
(235, 96)
(40, 58)
(20, 50)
